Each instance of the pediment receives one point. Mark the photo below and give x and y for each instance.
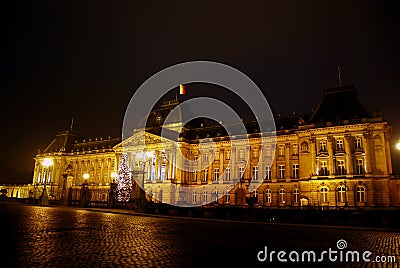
(142, 139)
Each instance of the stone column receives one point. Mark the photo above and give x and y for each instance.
(348, 148)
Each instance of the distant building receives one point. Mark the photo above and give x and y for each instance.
(338, 155)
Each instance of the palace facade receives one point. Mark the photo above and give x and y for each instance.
(338, 155)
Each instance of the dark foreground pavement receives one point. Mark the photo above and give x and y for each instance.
(34, 236)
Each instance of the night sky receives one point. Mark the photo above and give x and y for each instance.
(85, 59)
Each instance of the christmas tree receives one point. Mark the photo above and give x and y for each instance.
(124, 182)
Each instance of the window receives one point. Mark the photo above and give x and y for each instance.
(295, 149)
(323, 195)
(268, 151)
(341, 194)
(216, 155)
(227, 196)
(281, 171)
(216, 174)
(357, 143)
(196, 157)
(206, 175)
(227, 174)
(267, 173)
(268, 196)
(205, 157)
(296, 196)
(194, 197)
(195, 175)
(228, 155)
(339, 144)
(340, 167)
(281, 150)
(255, 152)
(164, 157)
(255, 173)
(295, 171)
(282, 196)
(323, 171)
(322, 146)
(241, 154)
(215, 194)
(359, 167)
(241, 172)
(360, 194)
(205, 194)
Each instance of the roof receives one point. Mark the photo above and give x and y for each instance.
(340, 103)
(67, 141)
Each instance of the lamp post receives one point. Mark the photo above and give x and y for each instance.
(47, 163)
(85, 190)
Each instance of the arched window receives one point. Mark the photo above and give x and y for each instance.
(341, 194)
(360, 194)
(282, 196)
(296, 196)
(268, 196)
(323, 195)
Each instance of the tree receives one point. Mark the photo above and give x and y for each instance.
(123, 180)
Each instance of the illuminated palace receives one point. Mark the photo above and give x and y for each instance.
(338, 155)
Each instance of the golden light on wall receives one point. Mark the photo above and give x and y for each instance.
(86, 176)
(113, 174)
(398, 145)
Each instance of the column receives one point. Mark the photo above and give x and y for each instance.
(347, 148)
(330, 153)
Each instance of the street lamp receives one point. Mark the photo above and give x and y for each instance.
(47, 163)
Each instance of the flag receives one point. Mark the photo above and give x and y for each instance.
(182, 89)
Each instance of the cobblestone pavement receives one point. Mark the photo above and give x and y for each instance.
(34, 236)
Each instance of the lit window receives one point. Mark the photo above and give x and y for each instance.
(323, 171)
(360, 194)
(205, 175)
(205, 196)
(268, 196)
(241, 172)
(357, 143)
(295, 171)
(195, 175)
(281, 169)
(255, 173)
(268, 173)
(341, 194)
(228, 155)
(323, 194)
(322, 146)
(227, 196)
(205, 157)
(340, 167)
(228, 174)
(194, 197)
(215, 194)
(216, 174)
(359, 167)
(296, 196)
(282, 196)
(339, 144)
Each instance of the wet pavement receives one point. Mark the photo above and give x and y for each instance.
(34, 236)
